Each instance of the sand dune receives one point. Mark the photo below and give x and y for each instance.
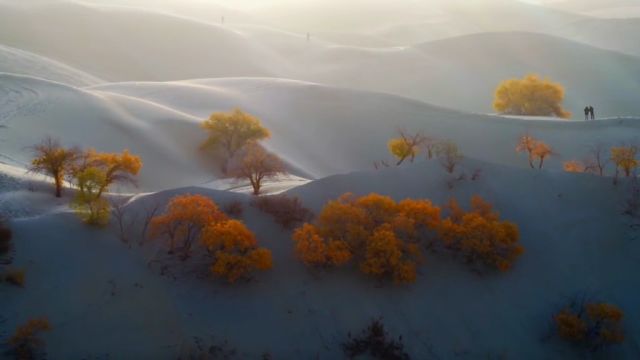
(508, 314)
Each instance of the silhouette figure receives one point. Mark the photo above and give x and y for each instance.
(592, 112)
(587, 111)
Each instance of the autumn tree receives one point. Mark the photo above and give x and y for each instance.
(52, 159)
(382, 236)
(592, 325)
(406, 145)
(26, 343)
(231, 131)
(183, 221)
(449, 155)
(535, 149)
(480, 236)
(255, 164)
(530, 95)
(94, 173)
(235, 250)
(597, 160)
(624, 158)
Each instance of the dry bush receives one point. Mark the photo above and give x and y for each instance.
(590, 325)
(479, 235)
(374, 342)
(382, 236)
(449, 155)
(530, 96)
(5, 237)
(14, 277)
(26, 342)
(234, 209)
(287, 212)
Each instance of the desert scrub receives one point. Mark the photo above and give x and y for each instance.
(375, 342)
(287, 212)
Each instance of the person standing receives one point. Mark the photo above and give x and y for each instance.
(592, 112)
(586, 113)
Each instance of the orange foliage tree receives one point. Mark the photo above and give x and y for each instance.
(574, 166)
(624, 158)
(480, 236)
(381, 235)
(235, 250)
(530, 96)
(51, 159)
(591, 325)
(183, 221)
(535, 149)
(255, 164)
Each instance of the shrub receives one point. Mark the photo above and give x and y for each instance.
(379, 234)
(26, 342)
(375, 342)
(5, 238)
(592, 325)
(449, 155)
(287, 212)
(235, 250)
(530, 96)
(15, 277)
(574, 166)
(234, 209)
(480, 236)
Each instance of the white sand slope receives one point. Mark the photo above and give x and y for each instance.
(291, 314)
(160, 121)
(17, 61)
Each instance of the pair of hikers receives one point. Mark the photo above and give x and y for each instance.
(589, 112)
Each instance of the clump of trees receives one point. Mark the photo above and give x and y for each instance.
(287, 211)
(380, 235)
(532, 96)
(536, 150)
(375, 341)
(54, 160)
(192, 220)
(235, 138)
(92, 172)
(590, 325)
(26, 343)
(479, 235)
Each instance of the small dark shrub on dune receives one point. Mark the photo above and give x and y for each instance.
(288, 212)
(14, 277)
(375, 342)
(234, 209)
(25, 344)
(5, 238)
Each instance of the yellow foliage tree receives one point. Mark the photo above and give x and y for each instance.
(26, 343)
(381, 235)
(183, 221)
(480, 236)
(51, 159)
(406, 146)
(235, 250)
(231, 131)
(532, 96)
(94, 173)
(624, 158)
